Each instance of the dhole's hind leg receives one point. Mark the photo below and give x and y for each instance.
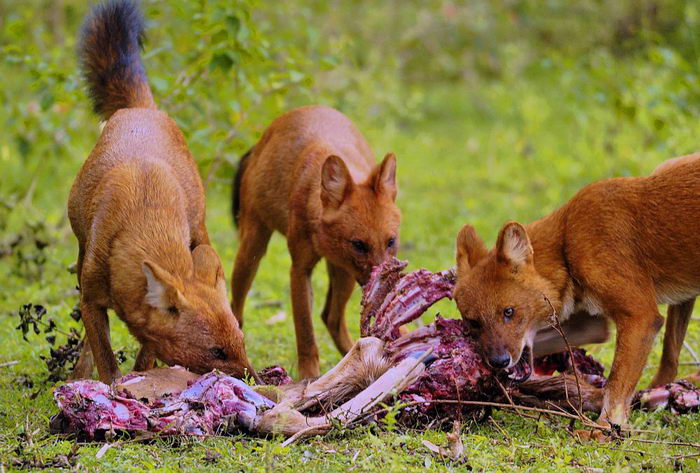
(676, 325)
(580, 329)
(255, 236)
(340, 286)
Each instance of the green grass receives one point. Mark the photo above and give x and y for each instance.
(513, 149)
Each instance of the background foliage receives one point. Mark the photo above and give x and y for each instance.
(497, 110)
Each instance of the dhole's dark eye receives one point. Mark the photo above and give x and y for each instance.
(219, 354)
(391, 243)
(508, 313)
(360, 246)
(172, 310)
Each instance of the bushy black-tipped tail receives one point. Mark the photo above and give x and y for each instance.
(110, 44)
(236, 191)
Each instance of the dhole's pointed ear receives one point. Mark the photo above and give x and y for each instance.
(161, 291)
(513, 246)
(470, 249)
(207, 267)
(336, 182)
(385, 180)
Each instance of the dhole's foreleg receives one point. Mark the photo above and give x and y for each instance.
(254, 239)
(84, 366)
(145, 360)
(340, 286)
(676, 326)
(636, 329)
(97, 331)
(303, 262)
(79, 265)
(199, 236)
(93, 311)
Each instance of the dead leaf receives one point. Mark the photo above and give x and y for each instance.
(101, 452)
(211, 456)
(434, 448)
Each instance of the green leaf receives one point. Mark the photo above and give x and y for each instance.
(221, 61)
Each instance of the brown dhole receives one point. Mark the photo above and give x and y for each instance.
(312, 177)
(137, 209)
(618, 248)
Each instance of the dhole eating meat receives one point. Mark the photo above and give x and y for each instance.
(312, 177)
(618, 248)
(137, 209)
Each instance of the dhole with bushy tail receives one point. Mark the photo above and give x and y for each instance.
(313, 178)
(137, 209)
(618, 248)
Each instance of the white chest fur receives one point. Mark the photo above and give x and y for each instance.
(585, 303)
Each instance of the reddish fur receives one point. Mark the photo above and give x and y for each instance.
(619, 247)
(137, 210)
(283, 189)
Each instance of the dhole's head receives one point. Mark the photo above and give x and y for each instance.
(500, 294)
(359, 221)
(189, 321)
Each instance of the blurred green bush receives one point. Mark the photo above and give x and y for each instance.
(224, 68)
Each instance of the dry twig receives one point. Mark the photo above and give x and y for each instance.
(557, 326)
(586, 421)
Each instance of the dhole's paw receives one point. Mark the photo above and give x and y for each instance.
(610, 433)
(593, 435)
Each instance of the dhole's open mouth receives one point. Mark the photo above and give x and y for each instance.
(523, 368)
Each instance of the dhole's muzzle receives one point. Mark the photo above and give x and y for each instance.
(500, 357)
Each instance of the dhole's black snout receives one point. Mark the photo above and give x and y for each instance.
(499, 360)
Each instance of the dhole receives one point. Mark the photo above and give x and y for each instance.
(312, 177)
(137, 209)
(618, 248)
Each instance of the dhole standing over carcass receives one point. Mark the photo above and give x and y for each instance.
(618, 248)
(137, 209)
(313, 178)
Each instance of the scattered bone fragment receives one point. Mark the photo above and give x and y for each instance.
(455, 448)
(679, 397)
(274, 376)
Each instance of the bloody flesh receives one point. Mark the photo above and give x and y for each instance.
(454, 370)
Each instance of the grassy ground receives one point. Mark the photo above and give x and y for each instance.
(509, 150)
